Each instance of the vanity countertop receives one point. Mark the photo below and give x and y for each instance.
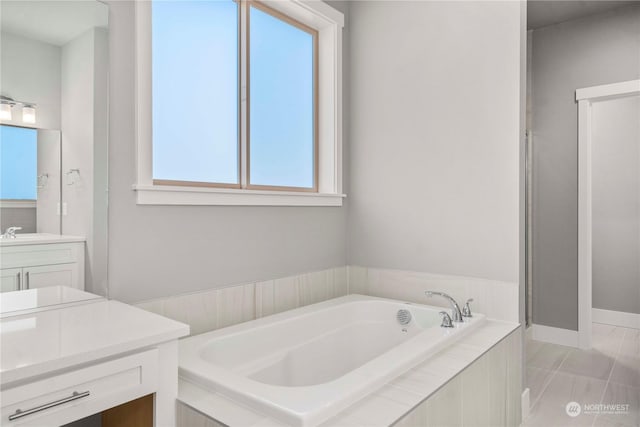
(40, 239)
(46, 341)
(27, 301)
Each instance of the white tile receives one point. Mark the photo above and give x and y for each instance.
(588, 363)
(378, 411)
(357, 279)
(475, 398)
(564, 388)
(445, 407)
(421, 382)
(226, 411)
(315, 287)
(536, 380)
(617, 394)
(498, 383)
(265, 304)
(546, 355)
(286, 294)
(631, 343)
(188, 417)
(626, 370)
(155, 306)
(177, 308)
(202, 316)
(340, 282)
(400, 395)
(502, 300)
(607, 338)
(235, 304)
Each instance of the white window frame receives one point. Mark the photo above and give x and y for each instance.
(313, 13)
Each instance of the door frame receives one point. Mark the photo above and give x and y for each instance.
(585, 98)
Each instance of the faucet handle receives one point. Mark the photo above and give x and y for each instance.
(446, 320)
(466, 310)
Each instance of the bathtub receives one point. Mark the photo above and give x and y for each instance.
(305, 365)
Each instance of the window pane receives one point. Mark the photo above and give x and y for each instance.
(18, 163)
(195, 90)
(281, 105)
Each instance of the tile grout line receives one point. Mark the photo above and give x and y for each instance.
(606, 385)
(546, 384)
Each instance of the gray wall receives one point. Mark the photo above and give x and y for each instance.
(18, 217)
(616, 204)
(31, 72)
(597, 50)
(435, 130)
(156, 251)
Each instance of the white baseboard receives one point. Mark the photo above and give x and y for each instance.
(616, 318)
(525, 403)
(555, 335)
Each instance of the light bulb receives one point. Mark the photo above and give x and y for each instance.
(28, 114)
(5, 112)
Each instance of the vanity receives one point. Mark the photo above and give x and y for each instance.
(38, 260)
(67, 354)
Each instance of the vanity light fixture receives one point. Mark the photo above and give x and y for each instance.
(28, 109)
(29, 113)
(6, 104)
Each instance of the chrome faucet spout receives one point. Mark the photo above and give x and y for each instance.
(11, 232)
(456, 314)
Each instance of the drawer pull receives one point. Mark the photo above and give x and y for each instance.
(75, 396)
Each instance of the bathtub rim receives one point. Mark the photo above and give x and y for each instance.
(277, 410)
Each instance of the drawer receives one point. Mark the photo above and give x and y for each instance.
(63, 398)
(34, 255)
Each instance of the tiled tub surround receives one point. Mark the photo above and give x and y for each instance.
(217, 308)
(306, 365)
(497, 300)
(475, 382)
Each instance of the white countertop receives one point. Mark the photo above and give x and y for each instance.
(40, 239)
(46, 341)
(26, 301)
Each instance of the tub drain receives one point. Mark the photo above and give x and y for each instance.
(403, 316)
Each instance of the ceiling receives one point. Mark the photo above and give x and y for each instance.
(541, 13)
(54, 22)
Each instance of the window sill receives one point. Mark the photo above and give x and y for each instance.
(18, 203)
(195, 196)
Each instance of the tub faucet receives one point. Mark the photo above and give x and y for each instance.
(11, 232)
(456, 314)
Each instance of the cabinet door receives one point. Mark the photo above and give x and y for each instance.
(10, 279)
(51, 275)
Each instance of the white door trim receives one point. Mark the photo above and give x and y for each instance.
(585, 98)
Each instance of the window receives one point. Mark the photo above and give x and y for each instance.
(195, 92)
(243, 105)
(18, 163)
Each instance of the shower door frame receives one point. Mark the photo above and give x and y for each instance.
(585, 98)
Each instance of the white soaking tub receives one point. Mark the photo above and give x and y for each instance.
(305, 365)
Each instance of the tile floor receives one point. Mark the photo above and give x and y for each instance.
(607, 374)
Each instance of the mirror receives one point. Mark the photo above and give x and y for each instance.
(30, 179)
(53, 142)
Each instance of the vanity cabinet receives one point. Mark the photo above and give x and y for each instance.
(10, 279)
(72, 395)
(33, 266)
